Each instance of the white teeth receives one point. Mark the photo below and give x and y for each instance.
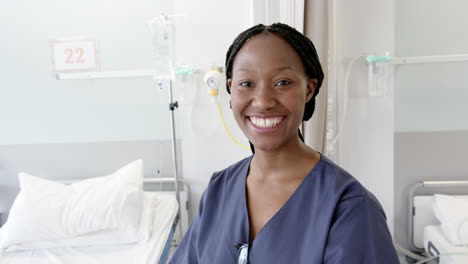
(265, 122)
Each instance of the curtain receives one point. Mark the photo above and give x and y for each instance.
(315, 28)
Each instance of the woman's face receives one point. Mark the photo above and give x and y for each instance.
(269, 89)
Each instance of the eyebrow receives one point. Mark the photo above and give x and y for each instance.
(282, 68)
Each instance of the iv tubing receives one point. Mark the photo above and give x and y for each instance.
(408, 253)
(339, 130)
(227, 129)
(331, 80)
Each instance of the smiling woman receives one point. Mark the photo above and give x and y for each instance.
(287, 203)
(269, 90)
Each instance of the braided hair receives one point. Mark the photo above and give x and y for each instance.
(301, 44)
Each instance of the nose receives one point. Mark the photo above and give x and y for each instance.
(264, 97)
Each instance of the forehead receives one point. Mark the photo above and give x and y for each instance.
(267, 50)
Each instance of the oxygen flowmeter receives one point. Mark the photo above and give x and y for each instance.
(213, 80)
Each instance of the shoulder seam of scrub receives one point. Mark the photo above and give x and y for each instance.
(363, 195)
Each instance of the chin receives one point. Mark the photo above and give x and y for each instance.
(266, 146)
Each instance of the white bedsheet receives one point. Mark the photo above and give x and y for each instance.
(433, 234)
(150, 252)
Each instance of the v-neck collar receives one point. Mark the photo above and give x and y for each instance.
(246, 219)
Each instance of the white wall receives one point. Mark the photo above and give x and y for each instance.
(35, 108)
(203, 37)
(366, 147)
(431, 97)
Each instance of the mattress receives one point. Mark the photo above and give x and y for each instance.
(436, 243)
(150, 252)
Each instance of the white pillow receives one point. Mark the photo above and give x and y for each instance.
(452, 212)
(46, 211)
(104, 238)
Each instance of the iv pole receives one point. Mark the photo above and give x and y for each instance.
(161, 41)
(172, 106)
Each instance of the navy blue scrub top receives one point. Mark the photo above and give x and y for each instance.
(330, 218)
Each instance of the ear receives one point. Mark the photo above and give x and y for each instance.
(229, 83)
(311, 85)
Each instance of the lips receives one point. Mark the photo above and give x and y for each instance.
(266, 122)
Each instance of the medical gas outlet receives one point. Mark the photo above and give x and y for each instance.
(213, 80)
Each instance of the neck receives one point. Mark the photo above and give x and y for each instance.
(279, 164)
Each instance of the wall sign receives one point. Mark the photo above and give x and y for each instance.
(74, 55)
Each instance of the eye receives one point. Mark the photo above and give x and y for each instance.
(283, 82)
(246, 84)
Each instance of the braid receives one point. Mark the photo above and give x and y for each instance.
(301, 44)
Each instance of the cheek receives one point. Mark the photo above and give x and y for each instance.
(295, 101)
(237, 103)
(236, 110)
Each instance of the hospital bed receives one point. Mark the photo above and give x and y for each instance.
(433, 228)
(159, 208)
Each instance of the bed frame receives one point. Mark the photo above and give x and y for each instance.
(184, 203)
(420, 212)
(169, 243)
(182, 218)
